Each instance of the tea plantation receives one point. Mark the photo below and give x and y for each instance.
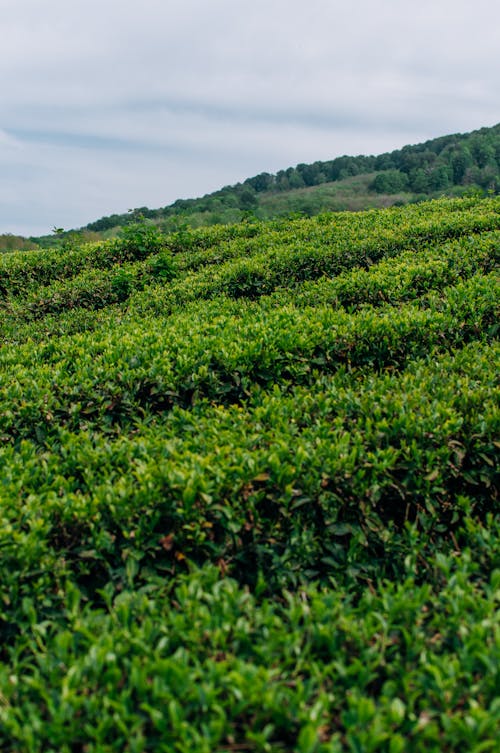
(249, 487)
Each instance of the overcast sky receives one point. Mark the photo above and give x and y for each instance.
(108, 105)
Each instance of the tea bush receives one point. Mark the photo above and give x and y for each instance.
(249, 487)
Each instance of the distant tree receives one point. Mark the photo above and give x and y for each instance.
(486, 177)
(419, 181)
(389, 181)
(295, 179)
(261, 182)
(439, 178)
(414, 160)
(460, 160)
(483, 151)
(282, 183)
(384, 162)
(248, 199)
(308, 174)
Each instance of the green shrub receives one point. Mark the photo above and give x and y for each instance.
(162, 266)
(122, 284)
(248, 497)
(139, 240)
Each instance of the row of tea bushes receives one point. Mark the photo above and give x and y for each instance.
(63, 305)
(22, 272)
(113, 379)
(408, 276)
(207, 666)
(262, 273)
(256, 277)
(315, 246)
(237, 521)
(337, 234)
(299, 484)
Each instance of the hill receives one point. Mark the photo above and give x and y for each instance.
(249, 492)
(445, 165)
(453, 165)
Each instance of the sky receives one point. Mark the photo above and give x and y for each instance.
(109, 105)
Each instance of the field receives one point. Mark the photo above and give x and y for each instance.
(249, 487)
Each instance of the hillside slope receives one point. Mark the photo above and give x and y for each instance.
(249, 487)
(448, 164)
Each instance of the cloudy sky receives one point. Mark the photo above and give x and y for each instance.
(108, 105)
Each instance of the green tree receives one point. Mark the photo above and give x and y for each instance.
(439, 178)
(248, 199)
(419, 181)
(460, 160)
(390, 181)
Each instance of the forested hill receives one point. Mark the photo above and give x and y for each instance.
(447, 165)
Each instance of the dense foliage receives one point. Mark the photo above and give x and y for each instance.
(249, 483)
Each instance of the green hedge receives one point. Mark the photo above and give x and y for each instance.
(209, 667)
(248, 488)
